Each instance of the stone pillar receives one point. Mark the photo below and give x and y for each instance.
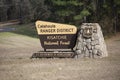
(90, 41)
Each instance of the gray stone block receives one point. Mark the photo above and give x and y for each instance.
(88, 40)
(95, 51)
(78, 52)
(90, 51)
(97, 46)
(96, 42)
(93, 47)
(84, 43)
(92, 38)
(79, 46)
(95, 36)
(89, 46)
(93, 43)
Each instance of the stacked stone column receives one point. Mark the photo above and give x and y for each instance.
(90, 41)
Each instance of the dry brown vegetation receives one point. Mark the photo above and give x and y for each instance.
(15, 62)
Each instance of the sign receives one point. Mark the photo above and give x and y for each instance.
(55, 35)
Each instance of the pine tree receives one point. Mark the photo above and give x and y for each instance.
(70, 11)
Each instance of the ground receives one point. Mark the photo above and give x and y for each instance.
(15, 62)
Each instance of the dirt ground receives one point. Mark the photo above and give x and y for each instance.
(15, 62)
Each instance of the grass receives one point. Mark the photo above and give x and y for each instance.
(5, 35)
(25, 29)
(15, 62)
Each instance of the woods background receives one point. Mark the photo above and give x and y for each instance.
(104, 12)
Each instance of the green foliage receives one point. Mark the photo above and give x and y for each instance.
(39, 10)
(105, 6)
(78, 17)
(69, 2)
(64, 12)
(76, 11)
(117, 2)
(59, 2)
(82, 14)
(68, 10)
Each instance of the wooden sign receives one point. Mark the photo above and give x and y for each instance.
(55, 35)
